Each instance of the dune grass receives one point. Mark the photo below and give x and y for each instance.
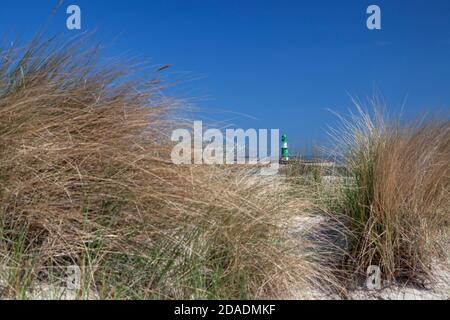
(86, 179)
(397, 198)
(387, 201)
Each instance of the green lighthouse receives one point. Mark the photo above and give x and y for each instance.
(284, 148)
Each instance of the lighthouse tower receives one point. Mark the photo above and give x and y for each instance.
(284, 148)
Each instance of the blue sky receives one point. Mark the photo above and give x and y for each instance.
(282, 63)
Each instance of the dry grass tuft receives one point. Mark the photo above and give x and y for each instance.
(398, 198)
(85, 179)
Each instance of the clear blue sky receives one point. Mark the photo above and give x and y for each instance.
(285, 63)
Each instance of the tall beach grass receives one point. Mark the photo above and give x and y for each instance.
(86, 179)
(397, 200)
